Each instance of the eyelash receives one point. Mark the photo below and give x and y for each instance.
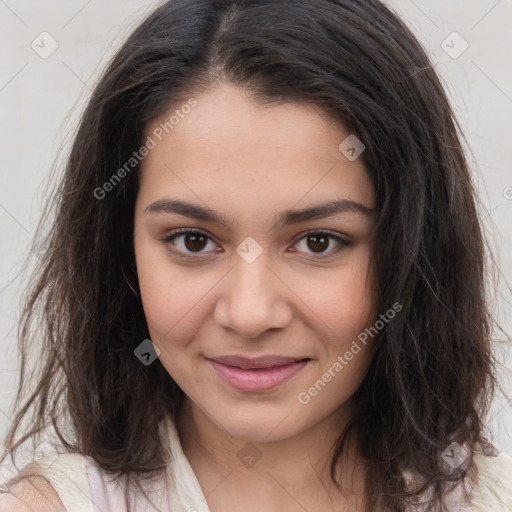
(184, 231)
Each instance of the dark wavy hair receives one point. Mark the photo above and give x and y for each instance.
(433, 374)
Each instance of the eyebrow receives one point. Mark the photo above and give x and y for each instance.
(286, 218)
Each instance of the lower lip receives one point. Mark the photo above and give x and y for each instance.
(257, 380)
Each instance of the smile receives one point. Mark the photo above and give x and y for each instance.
(257, 379)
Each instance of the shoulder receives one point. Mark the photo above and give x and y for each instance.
(31, 494)
(56, 484)
(493, 490)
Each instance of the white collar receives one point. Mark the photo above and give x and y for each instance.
(186, 485)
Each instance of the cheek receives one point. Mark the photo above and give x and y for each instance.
(347, 302)
(172, 307)
(347, 306)
(170, 298)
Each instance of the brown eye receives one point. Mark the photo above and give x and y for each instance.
(318, 242)
(194, 241)
(187, 241)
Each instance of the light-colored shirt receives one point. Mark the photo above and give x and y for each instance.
(84, 487)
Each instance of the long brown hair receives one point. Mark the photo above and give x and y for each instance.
(432, 377)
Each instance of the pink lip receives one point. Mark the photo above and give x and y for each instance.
(250, 363)
(257, 379)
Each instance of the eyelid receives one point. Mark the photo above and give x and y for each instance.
(174, 233)
(180, 231)
(343, 242)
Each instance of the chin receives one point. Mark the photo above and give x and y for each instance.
(260, 429)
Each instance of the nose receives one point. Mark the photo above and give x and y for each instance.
(254, 299)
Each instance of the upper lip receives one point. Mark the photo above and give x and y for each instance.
(246, 363)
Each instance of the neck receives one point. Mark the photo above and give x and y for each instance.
(302, 460)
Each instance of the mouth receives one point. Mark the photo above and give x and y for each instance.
(257, 363)
(260, 378)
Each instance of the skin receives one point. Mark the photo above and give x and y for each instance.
(31, 494)
(249, 162)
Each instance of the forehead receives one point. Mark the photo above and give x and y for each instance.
(228, 145)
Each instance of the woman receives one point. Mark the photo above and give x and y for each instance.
(265, 277)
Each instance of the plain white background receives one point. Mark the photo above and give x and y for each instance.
(41, 100)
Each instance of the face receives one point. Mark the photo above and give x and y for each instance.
(250, 275)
